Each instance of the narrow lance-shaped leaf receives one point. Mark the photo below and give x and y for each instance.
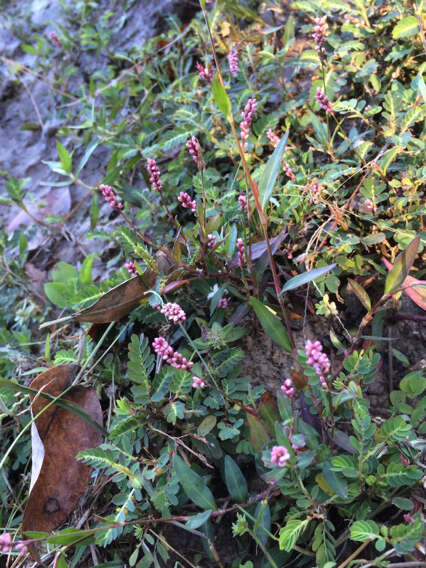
(235, 480)
(271, 172)
(306, 277)
(64, 157)
(271, 325)
(360, 293)
(221, 96)
(193, 485)
(415, 289)
(403, 262)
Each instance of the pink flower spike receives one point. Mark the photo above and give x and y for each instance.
(206, 72)
(154, 172)
(173, 312)
(22, 547)
(288, 171)
(131, 267)
(323, 100)
(5, 542)
(320, 34)
(211, 240)
(241, 249)
(194, 149)
(318, 360)
(186, 201)
(55, 39)
(170, 356)
(110, 197)
(280, 455)
(288, 388)
(233, 59)
(223, 303)
(242, 200)
(273, 138)
(198, 383)
(247, 116)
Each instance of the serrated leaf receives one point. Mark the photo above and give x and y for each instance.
(221, 97)
(306, 277)
(271, 324)
(193, 485)
(271, 172)
(64, 157)
(401, 267)
(235, 481)
(360, 293)
(407, 27)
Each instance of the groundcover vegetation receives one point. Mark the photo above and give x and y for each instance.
(205, 398)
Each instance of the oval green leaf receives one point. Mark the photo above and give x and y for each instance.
(406, 27)
(306, 277)
(271, 325)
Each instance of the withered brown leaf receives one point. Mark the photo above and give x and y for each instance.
(58, 479)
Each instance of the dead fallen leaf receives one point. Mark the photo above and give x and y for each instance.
(58, 480)
(415, 289)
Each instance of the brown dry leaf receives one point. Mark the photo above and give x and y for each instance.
(58, 480)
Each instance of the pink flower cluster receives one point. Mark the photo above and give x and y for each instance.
(170, 356)
(211, 239)
(318, 360)
(272, 137)
(369, 204)
(206, 72)
(222, 303)
(6, 544)
(288, 171)
(288, 388)
(280, 455)
(323, 100)
(173, 312)
(110, 197)
(247, 116)
(55, 39)
(198, 383)
(233, 59)
(320, 34)
(186, 201)
(131, 267)
(154, 172)
(241, 249)
(242, 200)
(194, 148)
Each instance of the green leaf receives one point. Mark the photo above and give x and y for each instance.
(271, 172)
(235, 480)
(395, 429)
(288, 30)
(262, 525)
(141, 363)
(413, 384)
(306, 277)
(64, 157)
(401, 267)
(291, 532)
(70, 536)
(271, 325)
(89, 151)
(207, 425)
(405, 537)
(360, 293)
(175, 410)
(259, 436)
(364, 530)
(86, 269)
(193, 485)
(335, 481)
(406, 27)
(197, 521)
(221, 96)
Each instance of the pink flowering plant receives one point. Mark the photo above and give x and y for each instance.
(256, 266)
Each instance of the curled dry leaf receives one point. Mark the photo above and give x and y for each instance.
(58, 480)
